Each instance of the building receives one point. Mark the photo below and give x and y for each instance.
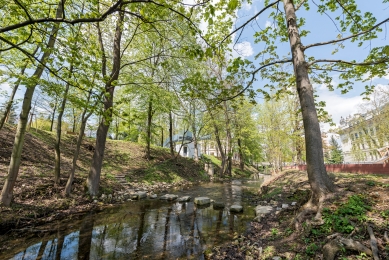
(184, 145)
(363, 140)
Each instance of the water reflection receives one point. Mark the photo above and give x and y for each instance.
(149, 229)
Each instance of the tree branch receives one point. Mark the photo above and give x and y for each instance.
(249, 20)
(348, 62)
(250, 83)
(346, 38)
(111, 10)
(299, 5)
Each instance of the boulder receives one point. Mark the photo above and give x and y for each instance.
(202, 200)
(261, 210)
(236, 208)
(168, 197)
(184, 199)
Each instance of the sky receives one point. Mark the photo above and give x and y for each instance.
(322, 29)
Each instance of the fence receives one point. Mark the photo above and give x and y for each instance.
(351, 168)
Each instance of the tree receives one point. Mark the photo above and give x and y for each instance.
(13, 170)
(336, 155)
(288, 28)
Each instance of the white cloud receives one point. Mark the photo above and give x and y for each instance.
(244, 49)
(268, 24)
(338, 105)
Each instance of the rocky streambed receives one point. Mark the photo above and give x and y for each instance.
(186, 222)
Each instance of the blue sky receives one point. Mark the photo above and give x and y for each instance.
(322, 29)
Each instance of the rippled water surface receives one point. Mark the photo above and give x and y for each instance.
(147, 229)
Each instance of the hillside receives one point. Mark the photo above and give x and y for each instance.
(37, 199)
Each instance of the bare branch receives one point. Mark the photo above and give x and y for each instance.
(349, 63)
(300, 4)
(348, 37)
(249, 20)
(26, 40)
(24, 8)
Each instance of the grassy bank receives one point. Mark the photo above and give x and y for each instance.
(36, 198)
(361, 201)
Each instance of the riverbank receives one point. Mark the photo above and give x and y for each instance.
(126, 171)
(359, 206)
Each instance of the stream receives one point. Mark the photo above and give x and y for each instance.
(146, 229)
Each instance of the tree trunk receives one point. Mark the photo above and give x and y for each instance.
(53, 116)
(220, 147)
(317, 175)
(7, 109)
(13, 170)
(57, 148)
(162, 135)
(171, 134)
(69, 183)
(241, 159)
(149, 121)
(93, 180)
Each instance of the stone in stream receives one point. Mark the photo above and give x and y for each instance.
(236, 208)
(218, 205)
(153, 196)
(202, 201)
(184, 199)
(139, 195)
(168, 197)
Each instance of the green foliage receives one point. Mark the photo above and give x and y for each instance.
(354, 209)
(336, 154)
(311, 249)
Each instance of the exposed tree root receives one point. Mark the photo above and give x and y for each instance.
(386, 237)
(331, 248)
(312, 207)
(373, 243)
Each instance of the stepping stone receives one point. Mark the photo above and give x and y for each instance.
(168, 197)
(202, 200)
(139, 195)
(262, 210)
(219, 205)
(153, 196)
(236, 208)
(184, 199)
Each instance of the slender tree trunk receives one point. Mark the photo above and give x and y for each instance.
(13, 170)
(93, 180)
(162, 136)
(69, 183)
(220, 148)
(5, 115)
(57, 148)
(171, 133)
(53, 116)
(228, 142)
(241, 158)
(317, 175)
(149, 121)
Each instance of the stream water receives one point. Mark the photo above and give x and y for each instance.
(146, 229)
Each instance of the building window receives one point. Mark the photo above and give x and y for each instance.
(185, 150)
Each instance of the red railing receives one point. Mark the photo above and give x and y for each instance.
(352, 168)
